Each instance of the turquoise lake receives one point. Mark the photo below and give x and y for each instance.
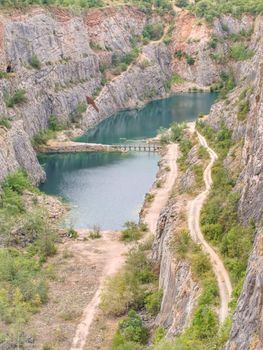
(107, 189)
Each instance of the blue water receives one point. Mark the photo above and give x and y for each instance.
(107, 189)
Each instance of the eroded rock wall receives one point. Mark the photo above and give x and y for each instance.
(180, 289)
(247, 331)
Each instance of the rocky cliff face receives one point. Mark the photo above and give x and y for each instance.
(247, 330)
(70, 70)
(180, 290)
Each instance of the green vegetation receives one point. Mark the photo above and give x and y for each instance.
(70, 3)
(18, 98)
(219, 216)
(240, 52)
(72, 233)
(5, 122)
(203, 330)
(174, 80)
(209, 9)
(190, 60)
(153, 31)
(128, 288)
(182, 3)
(212, 44)
(133, 231)
(95, 233)
(80, 109)
(243, 104)
(225, 85)
(135, 288)
(121, 62)
(23, 278)
(54, 125)
(35, 62)
(131, 332)
(153, 301)
(3, 75)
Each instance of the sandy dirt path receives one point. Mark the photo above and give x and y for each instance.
(194, 209)
(163, 193)
(114, 257)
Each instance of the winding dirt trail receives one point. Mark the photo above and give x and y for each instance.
(194, 209)
(163, 193)
(114, 258)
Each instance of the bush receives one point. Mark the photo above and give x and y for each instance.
(153, 302)
(128, 288)
(180, 244)
(34, 62)
(209, 9)
(132, 329)
(17, 182)
(3, 75)
(153, 31)
(72, 233)
(5, 122)
(119, 293)
(132, 231)
(190, 60)
(240, 52)
(181, 3)
(43, 137)
(95, 233)
(205, 323)
(54, 124)
(243, 109)
(18, 98)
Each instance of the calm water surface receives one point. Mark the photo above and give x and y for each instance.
(108, 188)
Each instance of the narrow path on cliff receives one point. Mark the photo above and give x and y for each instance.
(113, 257)
(194, 209)
(163, 193)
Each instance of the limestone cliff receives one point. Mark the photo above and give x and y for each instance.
(180, 290)
(247, 331)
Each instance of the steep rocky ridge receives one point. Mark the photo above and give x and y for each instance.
(246, 331)
(180, 290)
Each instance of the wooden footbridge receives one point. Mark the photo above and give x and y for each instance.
(137, 147)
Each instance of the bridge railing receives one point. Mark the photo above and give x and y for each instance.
(137, 147)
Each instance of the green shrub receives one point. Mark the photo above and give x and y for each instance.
(179, 54)
(190, 60)
(152, 302)
(209, 9)
(128, 288)
(34, 62)
(240, 52)
(54, 124)
(212, 44)
(180, 243)
(95, 233)
(132, 232)
(132, 329)
(17, 182)
(3, 75)
(181, 3)
(72, 233)
(5, 122)
(153, 31)
(43, 137)
(158, 335)
(205, 323)
(19, 97)
(243, 109)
